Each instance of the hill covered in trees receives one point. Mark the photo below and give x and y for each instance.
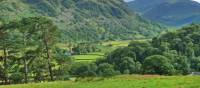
(168, 12)
(172, 53)
(83, 20)
(29, 52)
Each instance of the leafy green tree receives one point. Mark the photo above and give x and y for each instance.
(158, 64)
(180, 63)
(195, 64)
(47, 34)
(3, 46)
(28, 58)
(141, 49)
(7, 44)
(129, 66)
(116, 57)
(26, 28)
(196, 48)
(2, 74)
(64, 63)
(20, 40)
(39, 69)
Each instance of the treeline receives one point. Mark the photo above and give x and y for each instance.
(28, 52)
(84, 48)
(172, 53)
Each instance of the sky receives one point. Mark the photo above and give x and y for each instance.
(132, 0)
(128, 0)
(196, 0)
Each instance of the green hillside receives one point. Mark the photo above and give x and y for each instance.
(83, 20)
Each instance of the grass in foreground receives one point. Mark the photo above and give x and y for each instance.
(123, 82)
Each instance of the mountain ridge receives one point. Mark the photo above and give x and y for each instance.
(170, 12)
(84, 20)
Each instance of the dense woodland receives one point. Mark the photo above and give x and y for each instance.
(172, 53)
(30, 54)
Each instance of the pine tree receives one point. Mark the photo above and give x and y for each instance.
(48, 34)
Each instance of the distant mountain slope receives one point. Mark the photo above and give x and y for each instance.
(84, 20)
(169, 12)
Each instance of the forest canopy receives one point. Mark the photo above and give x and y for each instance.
(172, 53)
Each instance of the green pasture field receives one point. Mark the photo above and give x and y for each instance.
(88, 57)
(106, 47)
(117, 43)
(125, 81)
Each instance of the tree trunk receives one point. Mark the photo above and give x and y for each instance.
(25, 60)
(5, 65)
(49, 60)
(25, 71)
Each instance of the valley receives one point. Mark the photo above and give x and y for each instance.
(99, 44)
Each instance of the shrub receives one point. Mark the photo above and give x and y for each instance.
(85, 70)
(106, 70)
(16, 77)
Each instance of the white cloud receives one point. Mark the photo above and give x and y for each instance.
(133, 0)
(128, 0)
(196, 0)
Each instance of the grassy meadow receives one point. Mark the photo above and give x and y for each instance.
(125, 81)
(105, 47)
(88, 57)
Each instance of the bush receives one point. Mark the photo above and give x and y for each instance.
(85, 70)
(16, 77)
(106, 70)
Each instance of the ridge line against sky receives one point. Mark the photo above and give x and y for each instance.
(133, 0)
